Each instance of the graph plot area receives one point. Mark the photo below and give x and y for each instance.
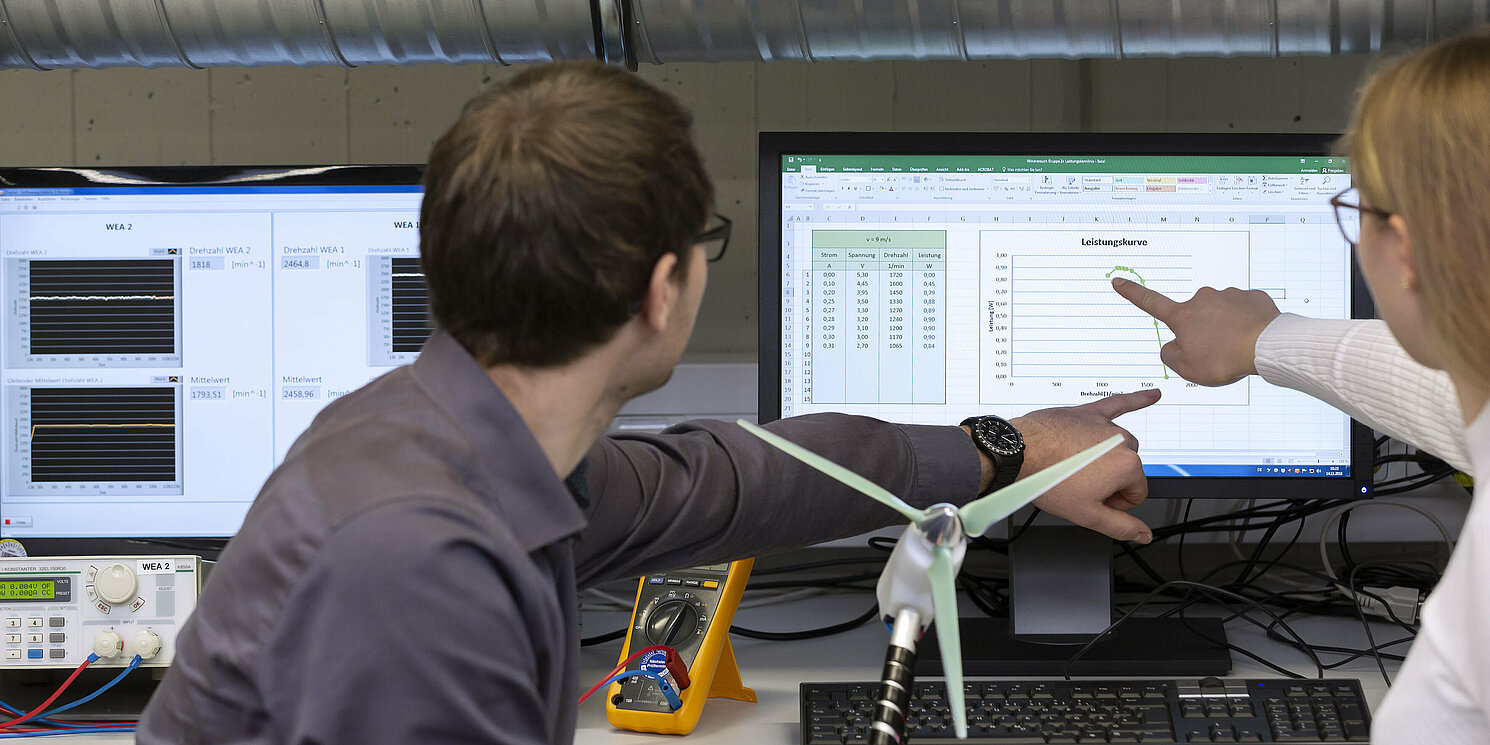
(95, 312)
(1067, 321)
(104, 439)
(399, 323)
(411, 325)
(1060, 324)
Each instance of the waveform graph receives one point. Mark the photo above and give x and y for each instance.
(98, 438)
(398, 310)
(95, 312)
(411, 326)
(1062, 325)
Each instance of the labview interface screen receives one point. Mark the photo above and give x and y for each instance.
(163, 347)
(924, 288)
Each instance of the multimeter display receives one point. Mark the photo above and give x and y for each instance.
(28, 589)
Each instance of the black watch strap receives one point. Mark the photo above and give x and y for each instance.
(1003, 443)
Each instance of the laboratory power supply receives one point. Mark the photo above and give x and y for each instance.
(58, 610)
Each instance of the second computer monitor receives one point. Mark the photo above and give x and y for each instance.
(925, 278)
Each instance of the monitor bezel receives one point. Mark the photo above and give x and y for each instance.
(774, 145)
(165, 178)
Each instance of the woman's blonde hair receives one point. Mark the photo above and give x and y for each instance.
(1419, 144)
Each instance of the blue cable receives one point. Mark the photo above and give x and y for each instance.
(72, 727)
(134, 663)
(80, 731)
(662, 682)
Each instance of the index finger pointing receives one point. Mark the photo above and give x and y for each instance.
(1119, 404)
(1147, 300)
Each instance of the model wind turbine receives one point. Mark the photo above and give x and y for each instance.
(918, 585)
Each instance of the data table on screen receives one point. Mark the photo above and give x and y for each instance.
(876, 321)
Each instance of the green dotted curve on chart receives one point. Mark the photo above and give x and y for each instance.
(1129, 270)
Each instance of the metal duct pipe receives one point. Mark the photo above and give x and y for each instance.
(45, 34)
(817, 30)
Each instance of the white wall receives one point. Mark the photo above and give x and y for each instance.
(238, 116)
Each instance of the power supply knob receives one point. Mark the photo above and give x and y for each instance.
(147, 644)
(116, 584)
(672, 622)
(107, 645)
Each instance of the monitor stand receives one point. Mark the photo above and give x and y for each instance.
(1060, 597)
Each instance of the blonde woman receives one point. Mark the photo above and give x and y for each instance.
(1419, 144)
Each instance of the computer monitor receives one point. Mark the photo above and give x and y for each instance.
(169, 332)
(925, 278)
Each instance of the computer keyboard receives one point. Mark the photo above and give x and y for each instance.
(1035, 712)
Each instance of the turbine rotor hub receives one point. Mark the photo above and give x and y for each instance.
(942, 526)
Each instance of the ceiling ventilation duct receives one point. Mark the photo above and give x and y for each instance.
(819, 30)
(47, 34)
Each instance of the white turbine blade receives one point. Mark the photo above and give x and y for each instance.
(978, 515)
(948, 639)
(848, 478)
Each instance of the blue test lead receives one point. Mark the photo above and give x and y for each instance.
(76, 731)
(134, 663)
(75, 727)
(668, 692)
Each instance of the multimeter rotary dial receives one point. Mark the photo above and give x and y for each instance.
(674, 621)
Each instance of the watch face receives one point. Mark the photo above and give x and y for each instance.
(1000, 436)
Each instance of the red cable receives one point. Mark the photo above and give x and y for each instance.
(673, 666)
(55, 696)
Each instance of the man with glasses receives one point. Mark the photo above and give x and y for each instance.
(1223, 336)
(409, 573)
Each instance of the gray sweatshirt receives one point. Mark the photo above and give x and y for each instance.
(408, 574)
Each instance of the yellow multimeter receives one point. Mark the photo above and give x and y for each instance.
(689, 610)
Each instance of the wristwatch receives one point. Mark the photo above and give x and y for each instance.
(1003, 443)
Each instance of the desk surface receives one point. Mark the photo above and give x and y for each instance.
(775, 669)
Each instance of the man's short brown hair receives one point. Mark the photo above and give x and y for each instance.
(547, 205)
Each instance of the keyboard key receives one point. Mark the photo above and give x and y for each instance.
(823, 734)
(1154, 714)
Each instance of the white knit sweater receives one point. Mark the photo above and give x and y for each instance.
(1442, 694)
